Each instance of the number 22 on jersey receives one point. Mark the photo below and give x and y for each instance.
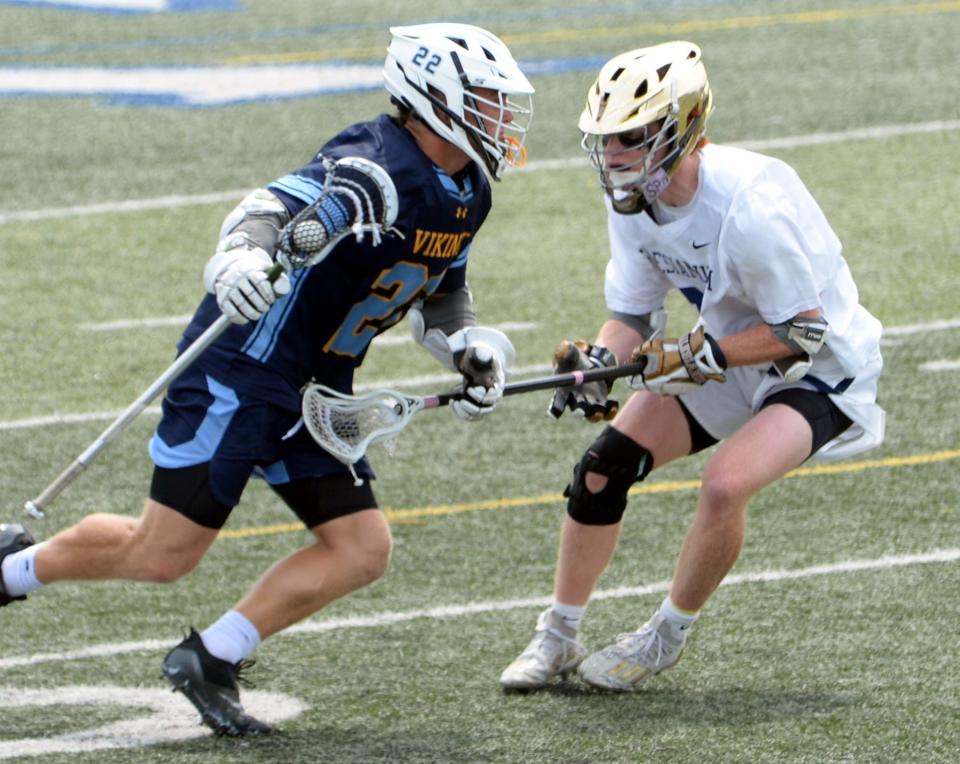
(389, 294)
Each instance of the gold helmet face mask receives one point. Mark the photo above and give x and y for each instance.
(645, 112)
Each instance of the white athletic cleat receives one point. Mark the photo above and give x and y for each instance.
(554, 650)
(635, 657)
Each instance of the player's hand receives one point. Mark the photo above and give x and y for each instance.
(679, 365)
(589, 400)
(482, 366)
(243, 291)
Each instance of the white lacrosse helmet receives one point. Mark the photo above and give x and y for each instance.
(434, 69)
(651, 98)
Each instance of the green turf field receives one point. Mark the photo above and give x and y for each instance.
(834, 639)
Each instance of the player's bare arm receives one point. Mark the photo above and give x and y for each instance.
(759, 344)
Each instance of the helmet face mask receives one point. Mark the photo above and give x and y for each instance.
(645, 112)
(498, 133)
(633, 161)
(463, 83)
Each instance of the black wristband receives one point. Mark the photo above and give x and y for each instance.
(718, 355)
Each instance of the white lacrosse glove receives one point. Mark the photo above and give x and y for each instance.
(590, 400)
(482, 366)
(237, 275)
(680, 365)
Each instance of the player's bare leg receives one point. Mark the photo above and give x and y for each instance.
(712, 544)
(349, 553)
(584, 553)
(161, 546)
(732, 476)
(585, 550)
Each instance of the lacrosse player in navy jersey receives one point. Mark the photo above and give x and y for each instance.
(782, 363)
(463, 108)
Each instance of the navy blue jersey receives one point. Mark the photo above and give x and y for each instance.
(321, 330)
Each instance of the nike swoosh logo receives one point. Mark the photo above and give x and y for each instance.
(700, 246)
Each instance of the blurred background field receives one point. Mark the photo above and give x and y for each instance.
(110, 205)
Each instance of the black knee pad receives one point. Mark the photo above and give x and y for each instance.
(623, 462)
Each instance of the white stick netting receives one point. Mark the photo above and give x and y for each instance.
(347, 425)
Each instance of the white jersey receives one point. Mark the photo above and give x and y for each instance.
(751, 246)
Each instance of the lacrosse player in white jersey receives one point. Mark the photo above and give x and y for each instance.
(782, 364)
(463, 108)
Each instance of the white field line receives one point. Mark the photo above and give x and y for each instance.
(786, 142)
(445, 379)
(382, 340)
(160, 718)
(889, 332)
(940, 366)
(517, 326)
(130, 205)
(401, 383)
(404, 338)
(381, 620)
(55, 419)
(857, 134)
(932, 326)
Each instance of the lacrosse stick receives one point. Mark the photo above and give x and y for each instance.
(347, 425)
(303, 242)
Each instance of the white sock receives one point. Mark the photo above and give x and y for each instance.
(680, 620)
(19, 572)
(572, 615)
(232, 638)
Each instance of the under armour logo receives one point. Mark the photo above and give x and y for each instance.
(462, 213)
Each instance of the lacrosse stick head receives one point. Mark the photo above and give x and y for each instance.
(358, 197)
(347, 425)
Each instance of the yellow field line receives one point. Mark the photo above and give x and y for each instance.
(417, 513)
(677, 29)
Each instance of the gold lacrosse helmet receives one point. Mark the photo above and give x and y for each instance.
(651, 98)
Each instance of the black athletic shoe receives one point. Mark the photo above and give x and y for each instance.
(211, 685)
(13, 538)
